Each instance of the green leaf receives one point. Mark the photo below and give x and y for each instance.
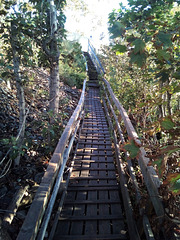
(4, 74)
(120, 48)
(159, 165)
(163, 75)
(175, 177)
(139, 46)
(163, 55)
(176, 75)
(175, 188)
(165, 38)
(173, 150)
(5, 36)
(167, 124)
(117, 30)
(139, 59)
(3, 12)
(132, 149)
(142, 104)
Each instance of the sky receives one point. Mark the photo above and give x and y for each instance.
(93, 24)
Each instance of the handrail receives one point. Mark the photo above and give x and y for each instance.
(36, 212)
(130, 129)
(150, 176)
(94, 57)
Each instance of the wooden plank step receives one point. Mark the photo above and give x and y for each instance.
(89, 218)
(77, 188)
(101, 132)
(99, 118)
(95, 154)
(93, 161)
(93, 178)
(104, 129)
(97, 113)
(91, 237)
(99, 159)
(76, 202)
(100, 138)
(75, 169)
(94, 143)
(87, 149)
(87, 120)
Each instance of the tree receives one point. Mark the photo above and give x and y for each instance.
(149, 32)
(16, 44)
(47, 30)
(42, 23)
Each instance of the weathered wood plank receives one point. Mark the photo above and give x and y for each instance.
(92, 237)
(79, 218)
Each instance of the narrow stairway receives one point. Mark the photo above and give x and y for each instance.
(92, 208)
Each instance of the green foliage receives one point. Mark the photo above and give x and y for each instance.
(10, 144)
(49, 133)
(119, 48)
(167, 123)
(139, 46)
(72, 64)
(173, 182)
(138, 58)
(164, 38)
(147, 24)
(117, 29)
(144, 75)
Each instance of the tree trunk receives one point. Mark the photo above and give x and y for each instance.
(54, 87)
(169, 100)
(164, 106)
(54, 60)
(160, 105)
(20, 90)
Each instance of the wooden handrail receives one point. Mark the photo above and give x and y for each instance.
(150, 176)
(35, 214)
(95, 58)
(130, 129)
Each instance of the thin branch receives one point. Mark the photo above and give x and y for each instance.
(23, 124)
(6, 168)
